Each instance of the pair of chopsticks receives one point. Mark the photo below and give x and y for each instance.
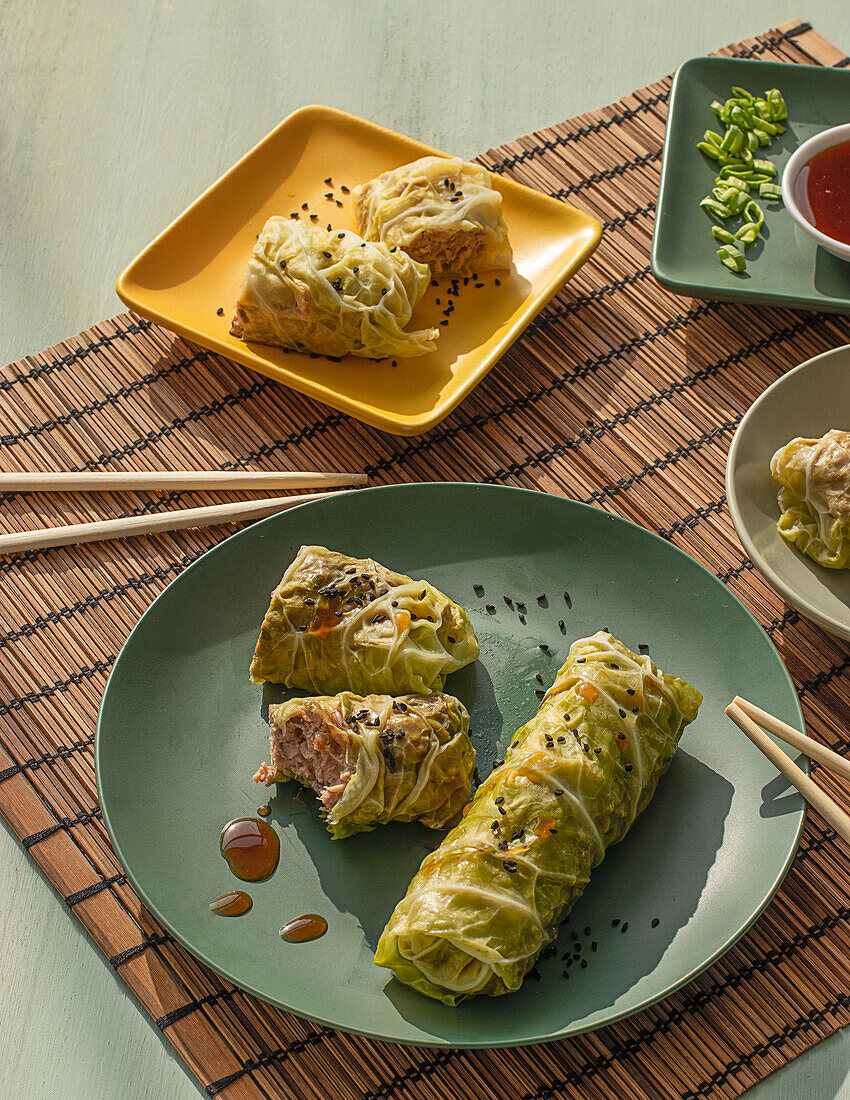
(748, 718)
(197, 480)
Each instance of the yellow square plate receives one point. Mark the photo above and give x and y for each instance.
(196, 266)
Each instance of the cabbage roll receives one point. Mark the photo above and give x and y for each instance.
(814, 475)
(484, 904)
(337, 623)
(330, 293)
(375, 758)
(441, 211)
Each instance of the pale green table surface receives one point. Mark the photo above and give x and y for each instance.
(114, 115)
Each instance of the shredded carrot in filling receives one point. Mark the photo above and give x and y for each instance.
(545, 826)
(324, 622)
(587, 692)
(402, 620)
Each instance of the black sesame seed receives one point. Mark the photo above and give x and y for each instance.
(635, 710)
(643, 648)
(314, 217)
(434, 282)
(329, 194)
(394, 248)
(558, 790)
(583, 963)
(490, 607)
(338, 202)
(566, 596)
(497, 282)
(594, 945)
(295, 215)
(541, 597)
(502, 845)
(451, 640)
(586, 748)
(282, 264)
(561, 740)
(564, 974)
(502, 810)
(383, 291)
(508, 601)
(539, 692)
(581, 660)
(552, 832)
(444, 323)
(621, 736)
(329, 179)
(630, 691)
(499, 800)
(597, 750)
(561, 626)
(327, 255)
(479, 285)
(495, 826)
(628, 767)
(303, 205)
(521, 605)
(655, 922)
(330, 227)
(522, 618)
(625, 927)
(615, 666)
(576, 957)
(538, 677)
(478, 587)
(621, 712)
(344, 189)
(220, 310)
(544, 647)
(615, 922)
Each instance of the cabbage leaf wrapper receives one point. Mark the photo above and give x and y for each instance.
(442, 211)
(814, 496)
(330, 293)
(485, 903)
(375, 758)
(337, 623)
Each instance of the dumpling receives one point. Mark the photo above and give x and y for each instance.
(441, 211)
(337, 623)
(814, 475)
(372, 759)
(330, 293)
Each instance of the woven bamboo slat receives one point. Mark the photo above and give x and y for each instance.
(619, 394)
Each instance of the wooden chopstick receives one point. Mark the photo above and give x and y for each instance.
(813, 749)
(829, 810)
(146, 525)
(175, 479)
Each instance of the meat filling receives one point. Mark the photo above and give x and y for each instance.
(311, 749)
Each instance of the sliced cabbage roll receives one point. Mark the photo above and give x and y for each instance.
(484, 904)
(814, 475)
(337, 623)
(441, 211)
(375, 758)
(330, 293)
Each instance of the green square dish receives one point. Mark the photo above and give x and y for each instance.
(786, 268)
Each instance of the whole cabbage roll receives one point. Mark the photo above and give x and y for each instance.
(484, 904)
(373, 759)
(337, 623)
(441, 210)
(814, 475)
(330, 293)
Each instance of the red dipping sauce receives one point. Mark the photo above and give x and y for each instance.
(828, 191)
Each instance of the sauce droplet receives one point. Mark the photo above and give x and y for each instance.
(303, 929)
(264, 811)
(232, 904)
(251, 848)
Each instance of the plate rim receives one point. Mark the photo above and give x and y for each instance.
(127, 289)
(703, 290)
(820, 618)
(437, 1041)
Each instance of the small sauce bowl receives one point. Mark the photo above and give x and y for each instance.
(794, 186)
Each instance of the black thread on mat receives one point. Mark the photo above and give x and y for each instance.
(629, 216)
(105, 595)
(734, 571)
(154, 939)
(387, 1090)
(842, 64)
(566, 308)
(788, 619)
(712, 508)
(162, 1022)
(58, 685)
(581, 132)
(606, 174)
(777, 1039)
(36, 762)
(801, 28)
(72, 356)
(295, 1047)
(66, 823)
(108, 399)
(823, 677)
(95, 888)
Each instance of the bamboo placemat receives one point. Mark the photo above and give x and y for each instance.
(621, 395)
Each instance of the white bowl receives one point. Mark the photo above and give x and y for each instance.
(794, 186)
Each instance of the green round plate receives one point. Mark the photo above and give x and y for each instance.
(807, 401)
(181, 731)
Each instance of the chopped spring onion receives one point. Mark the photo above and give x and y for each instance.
(750, 122)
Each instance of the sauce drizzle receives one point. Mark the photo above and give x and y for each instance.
(232, 904)
(303, 929)
(251, 848)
